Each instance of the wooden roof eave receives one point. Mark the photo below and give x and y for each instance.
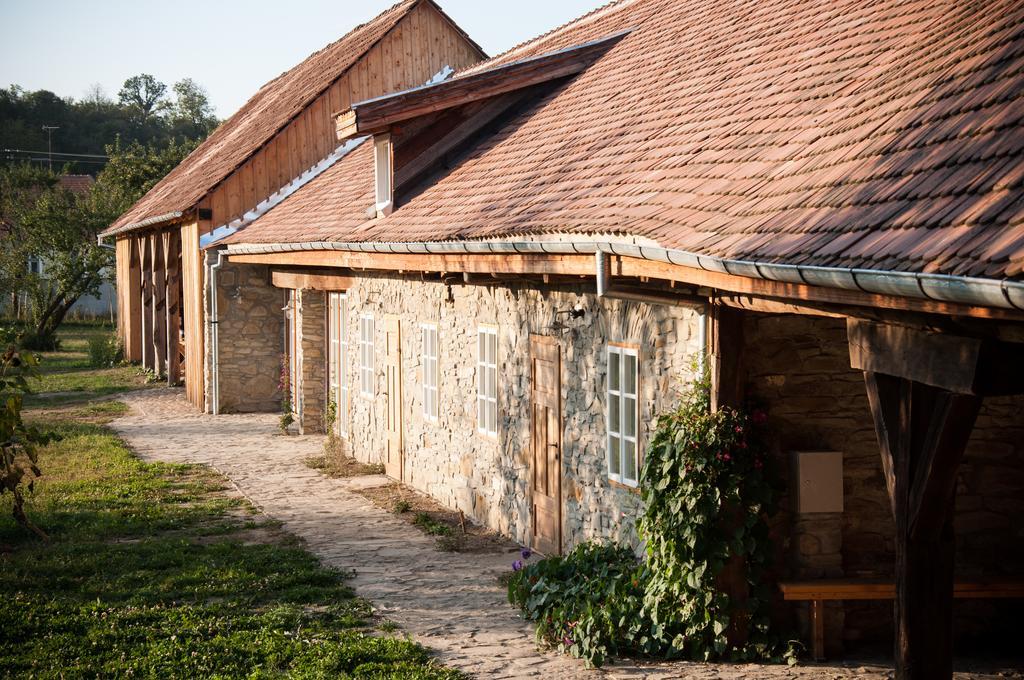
(377, 115)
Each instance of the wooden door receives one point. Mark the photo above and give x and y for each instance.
(546, 445)
(393, 395)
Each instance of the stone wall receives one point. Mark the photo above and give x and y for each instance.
(312, 322)
(488, 479)
(799, 368)
(251, 329)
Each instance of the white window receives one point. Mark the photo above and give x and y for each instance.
(338, 334)
(622, 415)
(35, 265)
(487, 381)
(430, 371)
(366, 377)
(383, 173)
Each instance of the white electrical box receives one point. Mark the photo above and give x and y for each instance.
(819, 479)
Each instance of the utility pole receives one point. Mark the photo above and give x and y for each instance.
(49, 142)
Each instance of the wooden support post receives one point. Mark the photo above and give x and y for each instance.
(159, 307)
(146, 274)
(172, 269)
(922, 432)
(727, 384)
(818, 630)
(726, 351)
(133, 308)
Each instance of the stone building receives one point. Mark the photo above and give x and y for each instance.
(508, 274)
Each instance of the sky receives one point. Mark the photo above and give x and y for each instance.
(231, 47)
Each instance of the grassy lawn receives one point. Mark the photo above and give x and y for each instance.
(159, 571)
(67, 376)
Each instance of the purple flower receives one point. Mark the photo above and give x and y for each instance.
(526, 553)
(567, 641)
(517, 565)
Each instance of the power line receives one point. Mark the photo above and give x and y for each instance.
(56, 153)
(44, 159)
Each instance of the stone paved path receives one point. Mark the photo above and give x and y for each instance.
(449, 602)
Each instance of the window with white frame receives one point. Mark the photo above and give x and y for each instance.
(366, 381)
(487, 381)
(623, 374)
(338, 334)
(430, 371)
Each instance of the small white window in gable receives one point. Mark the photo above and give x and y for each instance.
(383, 160)
(623, 376)
(487, 381)
(366, 377)
(430, 371)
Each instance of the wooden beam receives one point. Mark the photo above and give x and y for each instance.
(961, 364)
(377, 114)
(922, 432)
(146, 274)
(172, 268)
(311, 280)
(577, 265)
(946, 361)
(132, 311)
(159, 307)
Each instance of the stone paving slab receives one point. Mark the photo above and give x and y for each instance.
(449, 602)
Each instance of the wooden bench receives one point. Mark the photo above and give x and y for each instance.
(817, 592)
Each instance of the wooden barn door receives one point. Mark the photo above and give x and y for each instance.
(393, 454)
(546, 445)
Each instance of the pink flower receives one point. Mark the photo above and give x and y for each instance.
(727, 457)
(759, 417)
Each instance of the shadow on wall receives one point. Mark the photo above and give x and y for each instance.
(799, 368)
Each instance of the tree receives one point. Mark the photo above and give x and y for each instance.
(143, 95)
(58, 227)
(134, 169)
(192, 114)
(96, 97)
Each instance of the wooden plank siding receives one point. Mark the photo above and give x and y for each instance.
(417, 48)
(395, 63)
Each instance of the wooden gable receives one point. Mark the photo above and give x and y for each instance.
(423, 43)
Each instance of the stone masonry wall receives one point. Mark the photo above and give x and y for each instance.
(488, 479)
(251, 333)
(313, 349)
(799, 368)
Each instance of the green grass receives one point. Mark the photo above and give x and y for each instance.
(431, 526)
(153, 571)
(66, 376)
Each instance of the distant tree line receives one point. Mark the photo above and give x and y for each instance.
(146, 111)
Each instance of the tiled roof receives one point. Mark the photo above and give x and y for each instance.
(270, 109)
(876, 134)
(78, 184)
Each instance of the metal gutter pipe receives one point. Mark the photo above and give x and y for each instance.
(213, 325)
(999, 293)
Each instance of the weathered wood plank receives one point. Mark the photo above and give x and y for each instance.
(377, 115)
(311, 280)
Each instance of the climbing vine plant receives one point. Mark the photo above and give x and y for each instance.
(707, 493)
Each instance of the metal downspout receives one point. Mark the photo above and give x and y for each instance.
(213, 326)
